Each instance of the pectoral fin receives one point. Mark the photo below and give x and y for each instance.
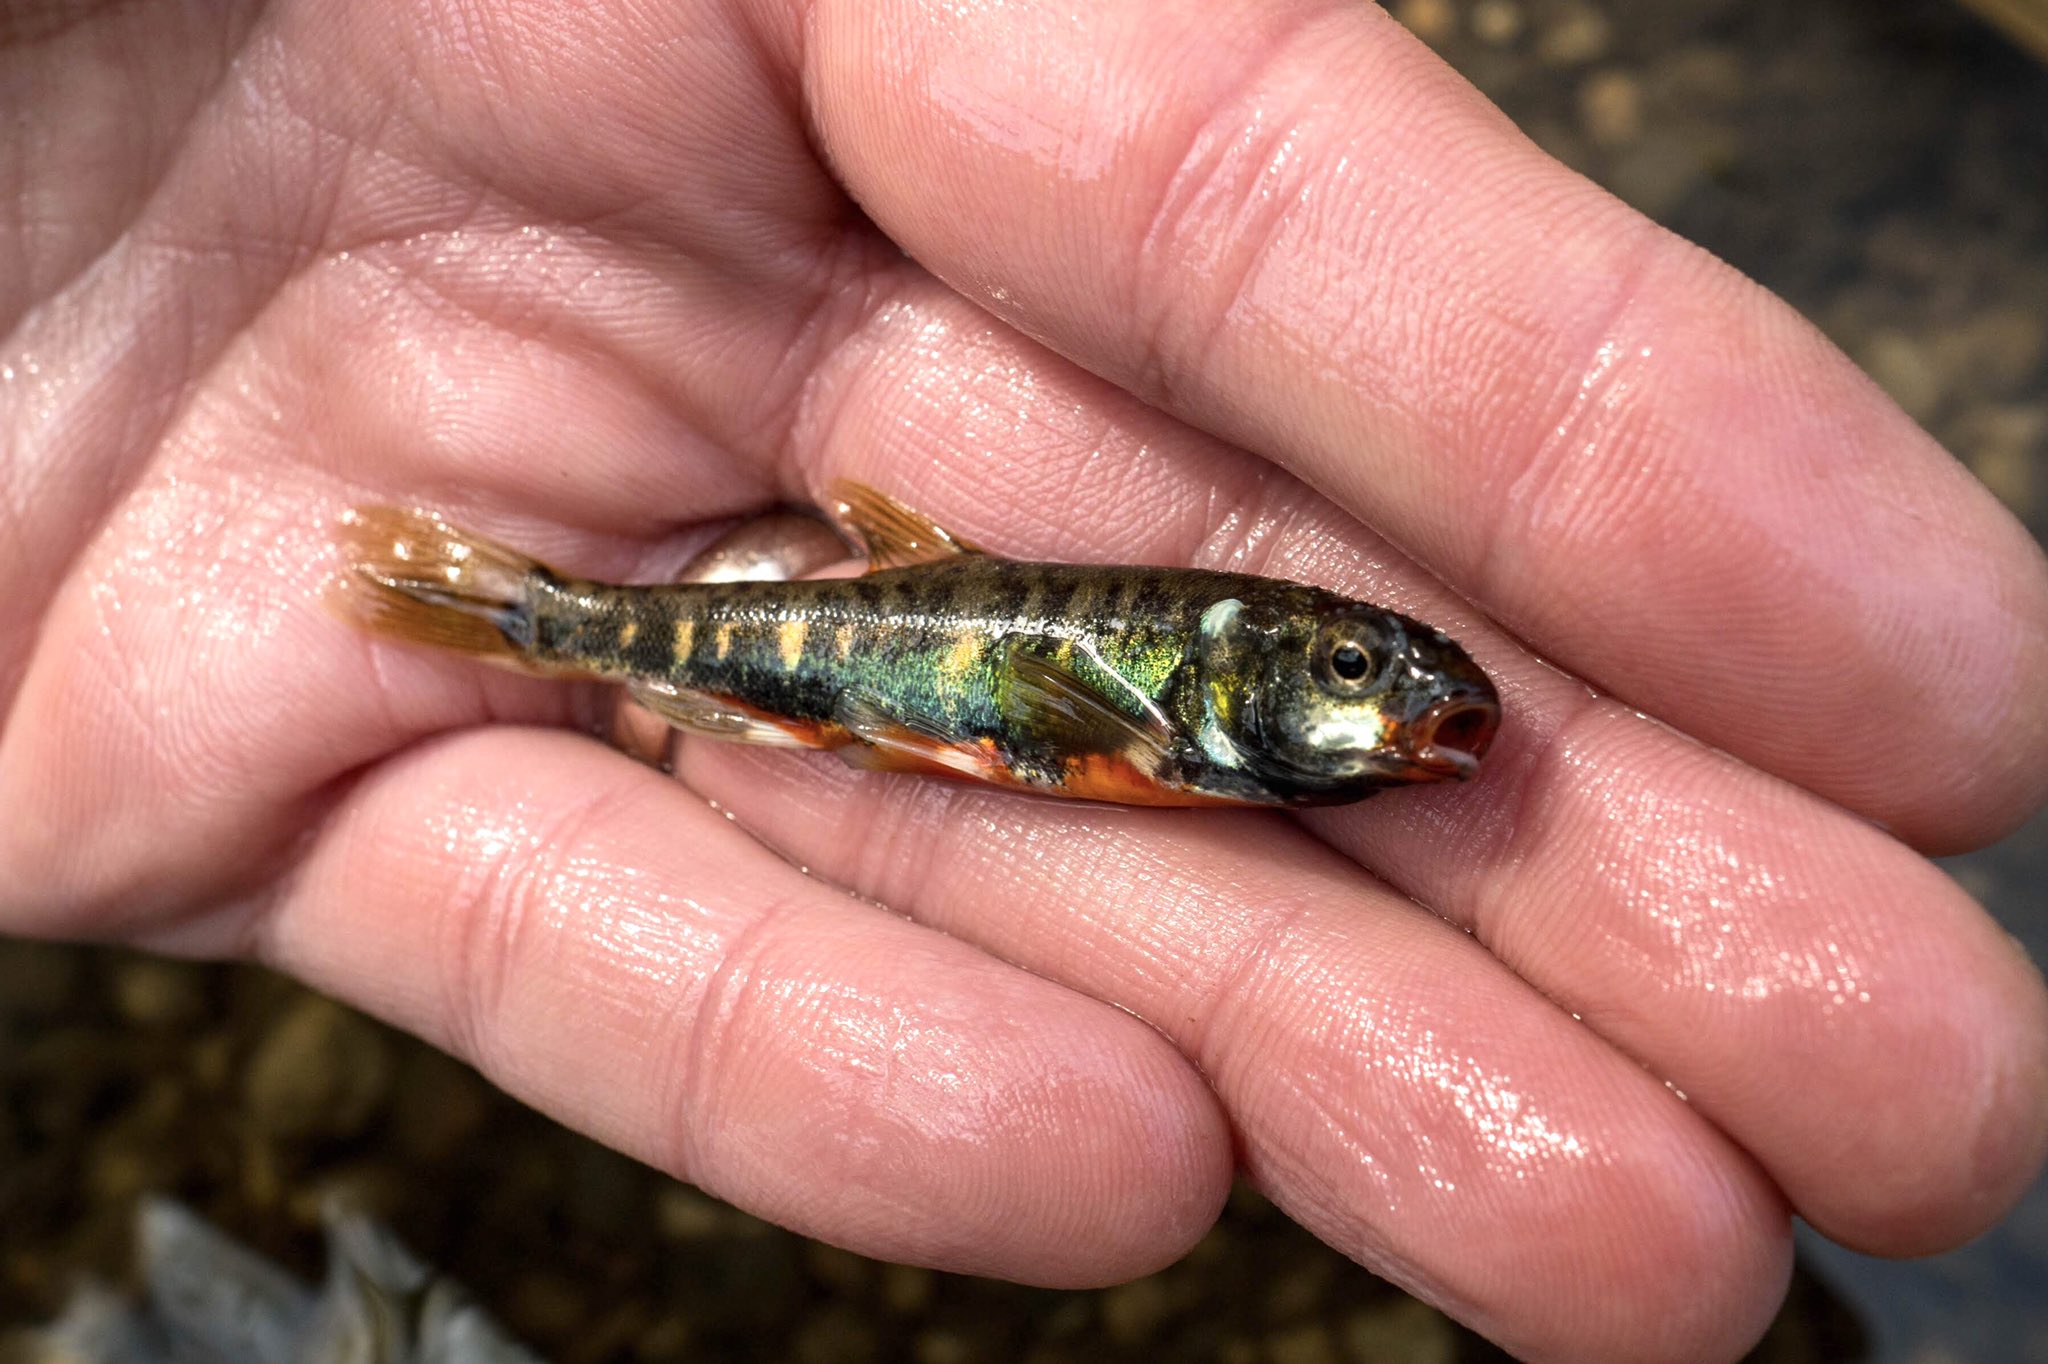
(895, 536)
(1059, 709)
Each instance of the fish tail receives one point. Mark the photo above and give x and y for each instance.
(412, 576)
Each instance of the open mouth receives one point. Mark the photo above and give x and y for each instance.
(1449, 738)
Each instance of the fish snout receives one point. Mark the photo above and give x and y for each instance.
(1448, 739)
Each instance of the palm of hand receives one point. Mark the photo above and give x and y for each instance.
(581, 277)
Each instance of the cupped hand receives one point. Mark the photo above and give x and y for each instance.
(1259, 286)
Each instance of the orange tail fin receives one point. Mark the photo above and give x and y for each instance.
(412, 576)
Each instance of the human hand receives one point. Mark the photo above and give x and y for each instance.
(1268, 289)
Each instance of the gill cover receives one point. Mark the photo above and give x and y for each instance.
(1322, 700)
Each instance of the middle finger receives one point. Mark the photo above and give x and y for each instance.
(1713, 922)
(1395, 1088)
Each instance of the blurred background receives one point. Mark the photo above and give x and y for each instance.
(1882, 166)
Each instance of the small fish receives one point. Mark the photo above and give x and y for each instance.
(1136, 686)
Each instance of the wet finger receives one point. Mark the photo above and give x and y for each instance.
(605, 946)
(1742, 939)
(1302, 232)
(1394, 1088)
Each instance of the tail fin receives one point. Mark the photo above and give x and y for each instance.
(412, 576)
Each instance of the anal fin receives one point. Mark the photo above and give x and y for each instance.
(884, 741)
(718, 717)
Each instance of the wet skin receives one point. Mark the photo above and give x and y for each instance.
(1123, 284)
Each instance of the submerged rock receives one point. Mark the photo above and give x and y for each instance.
(205, 1296)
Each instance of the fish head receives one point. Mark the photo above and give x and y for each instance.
(1326, 699)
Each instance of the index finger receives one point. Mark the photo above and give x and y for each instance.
(1299, 230)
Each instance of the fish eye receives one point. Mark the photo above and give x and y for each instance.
(1346, 657)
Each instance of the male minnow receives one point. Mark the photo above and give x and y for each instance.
(1139, 686)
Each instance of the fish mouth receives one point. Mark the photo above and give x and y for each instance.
(1446, 742)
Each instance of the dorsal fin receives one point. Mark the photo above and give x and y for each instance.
(895, 536)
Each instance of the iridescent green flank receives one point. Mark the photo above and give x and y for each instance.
(924, 643)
